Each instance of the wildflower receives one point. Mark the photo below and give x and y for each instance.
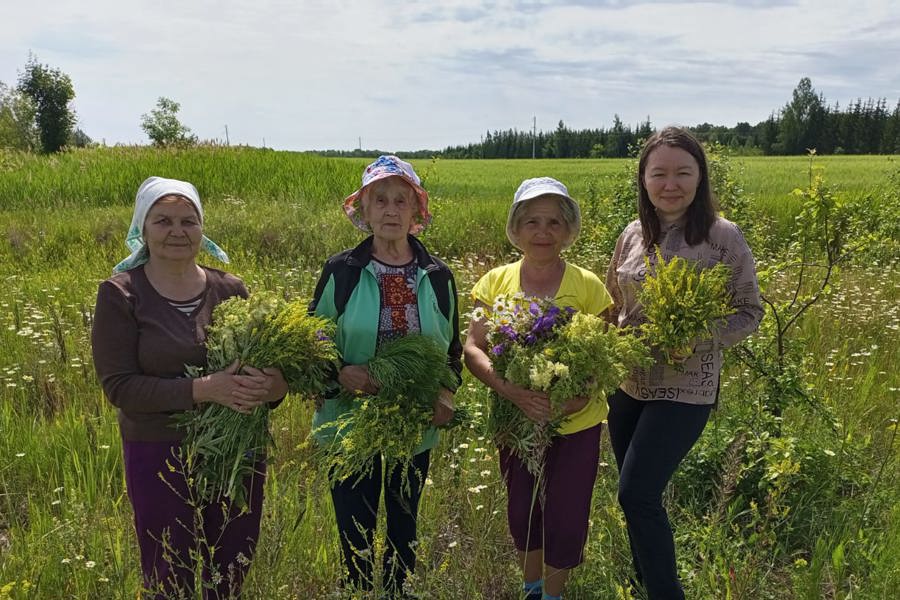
(556, 350)
(683, 303)
(90, 564)
(221, 445)
(410, 372)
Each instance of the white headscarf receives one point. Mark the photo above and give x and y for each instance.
(150, 191)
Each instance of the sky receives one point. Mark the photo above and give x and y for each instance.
(426, 74)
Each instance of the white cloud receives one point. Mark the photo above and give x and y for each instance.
(404, 75)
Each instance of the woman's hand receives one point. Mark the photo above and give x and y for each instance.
(535, 405)
(573, 405)
(226, 388)
(443, 408)
(355, 379)
(268, 379)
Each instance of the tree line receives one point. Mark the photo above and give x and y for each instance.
(806, 122)
(37, 115)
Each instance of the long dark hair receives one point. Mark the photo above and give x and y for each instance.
(701, 213)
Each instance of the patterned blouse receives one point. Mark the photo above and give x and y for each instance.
(399, 313)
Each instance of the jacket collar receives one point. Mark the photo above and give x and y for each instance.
(362, 254)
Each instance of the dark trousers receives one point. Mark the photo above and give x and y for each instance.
(558, 522)
(172, 533)
(356, 510)
(649, 440)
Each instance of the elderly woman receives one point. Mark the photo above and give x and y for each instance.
(150, 322)
(659, 413)
(387, 287)
(549, 532)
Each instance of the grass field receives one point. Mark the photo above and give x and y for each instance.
(802, 506)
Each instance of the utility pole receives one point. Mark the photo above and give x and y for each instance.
(359, 142)
(533, 134)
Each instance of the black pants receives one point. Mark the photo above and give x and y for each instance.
(356, 510)
(649, 440)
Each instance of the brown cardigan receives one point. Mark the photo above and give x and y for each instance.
(141, 345)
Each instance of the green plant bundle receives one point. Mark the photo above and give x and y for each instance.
(585, 357)
(221, 446)
(682, 303)
(409, 372)
(300, 345)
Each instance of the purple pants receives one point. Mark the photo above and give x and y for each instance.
(172, 534)
(559, 524)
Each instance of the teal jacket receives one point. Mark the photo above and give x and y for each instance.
(348, 294)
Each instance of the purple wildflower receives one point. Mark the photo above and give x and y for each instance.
(498, 349)
(509, 332)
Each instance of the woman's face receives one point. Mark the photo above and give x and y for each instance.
(388, 207)
(542, 230)
(172, 229)
(671, 177)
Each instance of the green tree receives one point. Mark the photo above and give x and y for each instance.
(80, 139)
(163, 127)
(802, 120)
(616, 145)
(51, 91)
(17, 124)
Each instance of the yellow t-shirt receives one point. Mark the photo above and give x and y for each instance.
(580, 289)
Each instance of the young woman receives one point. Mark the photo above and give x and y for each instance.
(658, 413)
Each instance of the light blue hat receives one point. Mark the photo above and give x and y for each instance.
(535, 188)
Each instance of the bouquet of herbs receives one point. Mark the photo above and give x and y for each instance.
(540, 346)
(409, 372)
(221, 445)
(682, 303)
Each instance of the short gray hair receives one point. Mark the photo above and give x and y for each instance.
(570, 213)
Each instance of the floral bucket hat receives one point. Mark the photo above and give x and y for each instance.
(389, 166)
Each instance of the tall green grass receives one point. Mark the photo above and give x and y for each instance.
(65, 521)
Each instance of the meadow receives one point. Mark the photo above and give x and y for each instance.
(792, 492)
